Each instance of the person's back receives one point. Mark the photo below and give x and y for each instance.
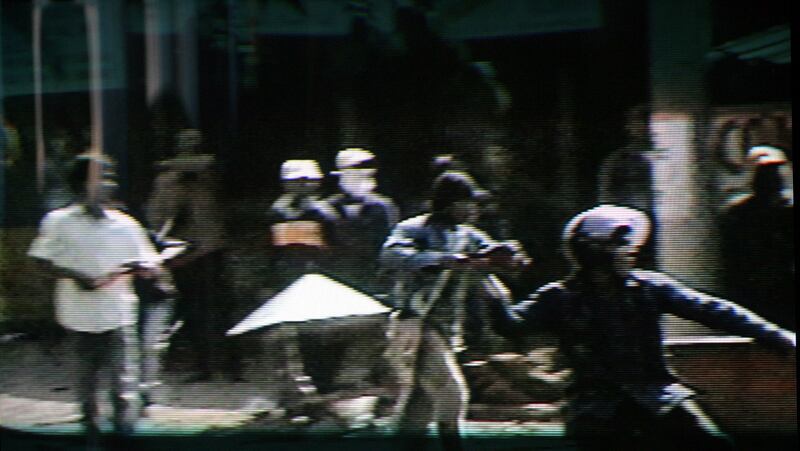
(626, 179)
(626, 175)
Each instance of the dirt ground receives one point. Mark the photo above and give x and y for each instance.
(37, 394)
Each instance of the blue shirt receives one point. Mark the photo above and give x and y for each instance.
(415, 250)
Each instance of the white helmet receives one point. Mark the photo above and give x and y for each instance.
(297, 169)
(353, 158)
(601, 222)
(766, 155)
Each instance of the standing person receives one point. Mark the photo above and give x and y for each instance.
(300, 228)
(758, 242)
(491, 217)
(364, 220)
(300, 223)
(185, 204)
(437, 258)
(156, 322)
(626, 175)
(606, 316)
(94, 251)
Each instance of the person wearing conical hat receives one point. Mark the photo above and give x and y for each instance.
(186, 203)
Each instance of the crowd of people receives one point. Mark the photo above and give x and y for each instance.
(115, 273)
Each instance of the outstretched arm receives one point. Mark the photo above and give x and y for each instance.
(719, 313)
(533, 315)
(404, 250)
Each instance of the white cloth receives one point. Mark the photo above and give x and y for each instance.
(72, 239)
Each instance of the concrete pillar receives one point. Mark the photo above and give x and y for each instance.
(680, 38)
(108, 81)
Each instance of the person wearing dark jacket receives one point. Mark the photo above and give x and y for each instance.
(364, 219)
(300, 228)
(185, 203)
(300, 224)
(606, 316)
(758, 242)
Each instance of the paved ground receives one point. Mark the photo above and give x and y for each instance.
(37, 412)
(37, 396)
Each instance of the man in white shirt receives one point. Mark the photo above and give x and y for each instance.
(94, 251)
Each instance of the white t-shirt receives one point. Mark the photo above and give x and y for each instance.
(72, 239)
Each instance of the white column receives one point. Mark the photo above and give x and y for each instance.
(680, 37)
(158, 51)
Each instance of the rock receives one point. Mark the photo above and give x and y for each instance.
(355, 413)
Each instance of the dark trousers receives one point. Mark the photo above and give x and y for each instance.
(114, 351)
(633, 427)
(206, 305)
